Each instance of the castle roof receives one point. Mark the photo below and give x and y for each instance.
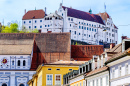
(83, 15)
(34, 14)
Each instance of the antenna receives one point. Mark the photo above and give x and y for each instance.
(62, 2)
(104, 7)
(3, 21)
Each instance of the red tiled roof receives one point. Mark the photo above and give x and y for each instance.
(104, 15)
(34, 14)
(83, 15)
(85, 52)
(97, 71)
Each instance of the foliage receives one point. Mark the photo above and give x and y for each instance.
(13, 28)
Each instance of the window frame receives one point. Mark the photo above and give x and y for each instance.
(49, 77)
(119, 70)
(113, 73)
(126, 72)
(60, 79)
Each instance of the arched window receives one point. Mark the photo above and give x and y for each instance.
(13, 62)
(24, 62)
(18, 62)
(4, 84)
(21, 85)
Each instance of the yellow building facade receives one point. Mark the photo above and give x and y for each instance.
(52, 74)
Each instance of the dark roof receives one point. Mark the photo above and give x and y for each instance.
(83, 15)
(34, 14)
(85, 52)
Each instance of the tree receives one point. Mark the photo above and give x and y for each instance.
(13, 28)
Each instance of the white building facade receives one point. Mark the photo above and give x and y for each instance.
(120, 66)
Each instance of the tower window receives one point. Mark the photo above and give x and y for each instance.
(13, 62)
(24, 62)
(29, 21)
(35, 21)
(18, 62)
(40, 20)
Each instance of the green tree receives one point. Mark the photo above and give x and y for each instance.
(13, 28)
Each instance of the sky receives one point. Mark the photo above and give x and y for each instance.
(119, 10)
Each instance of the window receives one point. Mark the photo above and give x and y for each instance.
(110, 40)
(35, 21)
(48, 25)
(75, 32)
(62, 14)
(40, 20)
(4, 84)
(21, 85)
(24, 62)
(69, 19)
(13, 62)
(107, 39)
(126, 69)
(101, 82)
(106, 80)
(84, 34)
(82, 27)
(70, 69)
(113, 73)
(70, 25)
(79, 33)
(57, 79)
(49, 68)
(87, 28)
(109, 34)
(119, 68)
(95, 30)
(79, 22)
(49, 80)
(88, 83)
(57, 69)
(92, 25)
(24, 22)
(112, 35)
(70, 31)
(45, 25)
(29, 21)
(80, 83)
(89, 35)
(93, 82)
(29, 27)
(79, 27)
(116, 42)
(89, 24)
(97, 82)
(84, 23)
(90, 29)
(18, 62)
(40, 26)
(35, 26)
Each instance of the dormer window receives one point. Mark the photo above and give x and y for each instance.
(18, 62)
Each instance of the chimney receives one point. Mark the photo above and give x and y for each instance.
(105, 57)
(93, 64)
(112, 45)
(124, 37)
(25, 11)
(45, 10)
(98, 62)
(101, 61)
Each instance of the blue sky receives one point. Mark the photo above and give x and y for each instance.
(119, 10)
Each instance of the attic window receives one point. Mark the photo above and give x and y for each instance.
(58, 69)
(49, 68)
(70, 69)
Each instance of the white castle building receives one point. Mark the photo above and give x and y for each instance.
(84, 26)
